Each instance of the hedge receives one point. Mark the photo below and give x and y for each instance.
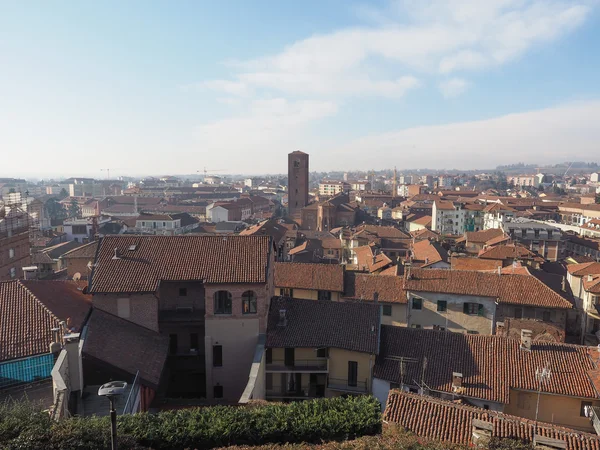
(197, 428)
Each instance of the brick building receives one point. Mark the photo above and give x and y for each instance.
(14, 243)
(297, 182)
(208, 295)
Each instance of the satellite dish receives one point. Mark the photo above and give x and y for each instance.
(77, 277)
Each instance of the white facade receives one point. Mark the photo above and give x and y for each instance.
(448, 221)
(217, 214)
(595, 177)
(333, 188)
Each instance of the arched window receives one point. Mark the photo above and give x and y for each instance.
(249, 302)
(222, 302)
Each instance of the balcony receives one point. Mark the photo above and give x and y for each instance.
(299, 366)
(306, 392)
(338, 384)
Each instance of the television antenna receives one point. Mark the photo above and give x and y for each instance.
(542, 375)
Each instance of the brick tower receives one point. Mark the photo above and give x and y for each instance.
(297, 182)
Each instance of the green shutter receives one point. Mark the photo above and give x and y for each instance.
(480, 312)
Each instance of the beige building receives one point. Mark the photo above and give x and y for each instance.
(320, 349)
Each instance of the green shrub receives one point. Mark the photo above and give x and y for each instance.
(196, 428)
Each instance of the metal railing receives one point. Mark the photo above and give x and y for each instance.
(132, 405)
(300, 364)
(346, 385)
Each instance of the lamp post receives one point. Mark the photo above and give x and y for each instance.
(112, 390)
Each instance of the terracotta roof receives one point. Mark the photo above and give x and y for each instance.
(507, 288)
(309, 323)
(491, 365)
(324, 277)
(498, 240)
(498, 207)
(364, 259)
(382, 232)
(362, 286)
(422, 220)
(481, 237)
(444, 205)
(429, 252)
(591, 283)
(269, 228)
(580, 270)
(390, 271)
(459, 263)
(445, 421)
(508, 251)
(41, 258)
(213, 259)
(425, 234)
(126, 346)
(30, 309)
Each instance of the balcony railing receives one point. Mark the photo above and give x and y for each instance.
(340, 384)
(305, 365)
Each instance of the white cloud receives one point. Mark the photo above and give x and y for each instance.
(453, 87)
(552, 135)
(425, 36)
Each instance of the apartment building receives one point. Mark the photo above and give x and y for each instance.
(577, 213)
(208, 296)
(15, 245)
(584, 280)
(544, 239)
(320, 349)
(331, 188)
(448, 217)
(473, 302)
(496, 214)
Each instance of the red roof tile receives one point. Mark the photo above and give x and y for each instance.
(324, 277)
(389, 289)
(213, 259)
(437, 419)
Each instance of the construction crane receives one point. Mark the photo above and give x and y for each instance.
(206, 172)
(568, 168)
(108, 171)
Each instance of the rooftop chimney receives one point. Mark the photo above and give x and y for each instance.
(457, 381)
(526, 339)
(116, 255)
(282, 318)
(590, 277)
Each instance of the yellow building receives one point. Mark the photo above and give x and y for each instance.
(320, 349)
(309, 281)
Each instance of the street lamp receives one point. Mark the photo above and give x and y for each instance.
(112, 390)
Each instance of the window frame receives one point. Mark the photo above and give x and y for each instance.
(183, 292)
(248, 300)
(386, 310)
(217, 355)
(218, 391)
(324, 296)
(420, 303)
(442, 305)
(352, 373)
(123, 307)
(226, 308)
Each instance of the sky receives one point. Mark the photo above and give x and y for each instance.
(157, 87)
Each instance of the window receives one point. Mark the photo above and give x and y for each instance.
(269, 356)
(11, 253)
(173, 344)
(217, 355)
(269, 381)
(518, 313)
(324, 295)
(79, 229)
(218, 391)
(387, 310)
(13, 272)
(582, 409)
(286, 292)
(442, 305)
(183, 292)
(546, 316)
(322, 352)
(416, 326)
(222, 302)
(289, 357)
(352, 373)
(249, 302)
(473, 309)
(417, 303)
(439, 328)
(193, 341)
(123, 308)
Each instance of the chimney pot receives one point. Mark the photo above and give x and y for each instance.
(456, 380)
(526, 339)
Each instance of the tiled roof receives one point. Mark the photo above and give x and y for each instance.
(383, 232)
(481, 237)
(591, 283)
(510, 288)
(507, 252)
(498, 240)
(362, 286)
(433, 418)
(269, 228)
(580, 270)
(429, 252)
(310, 323)
(30, 309)
(364, 259)
(323, 277)
(390, 271)
(425, 234)
(126, 346)
(213, 259)
(490, 365)
(459, 263)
